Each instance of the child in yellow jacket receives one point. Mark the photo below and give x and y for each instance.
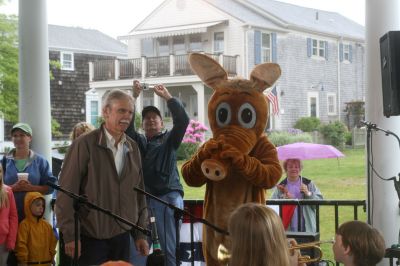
(36, 243)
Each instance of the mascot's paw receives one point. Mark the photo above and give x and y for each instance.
(209, 147)
(214, 169)
(233, 155)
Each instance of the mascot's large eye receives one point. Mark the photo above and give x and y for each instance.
(247, 115)
(223, 114)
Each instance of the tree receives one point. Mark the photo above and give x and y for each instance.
(9, 70)
(9, 67)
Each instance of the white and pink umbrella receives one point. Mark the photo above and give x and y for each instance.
(307, 151)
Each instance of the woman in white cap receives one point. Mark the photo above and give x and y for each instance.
(22, 159)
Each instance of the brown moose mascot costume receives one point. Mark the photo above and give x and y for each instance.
(238, 163)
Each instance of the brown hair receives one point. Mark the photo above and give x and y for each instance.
(258, 237)
(80, 129)
(285, 163)
(366, 243)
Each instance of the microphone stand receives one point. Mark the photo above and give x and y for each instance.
(371, 126)
(82, 200)
(178, 213)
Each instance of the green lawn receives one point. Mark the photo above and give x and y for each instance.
(342, 179)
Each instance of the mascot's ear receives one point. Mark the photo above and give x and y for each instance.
(208, 70)
(265, 75)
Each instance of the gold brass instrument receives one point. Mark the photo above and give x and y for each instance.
(310, 245)
(224, 254)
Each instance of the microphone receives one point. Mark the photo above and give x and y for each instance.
(156, 258)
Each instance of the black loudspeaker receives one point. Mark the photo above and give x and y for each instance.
(305, 237)
(390, 70)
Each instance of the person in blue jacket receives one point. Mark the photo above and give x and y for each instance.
(158, 151)
(22, 159)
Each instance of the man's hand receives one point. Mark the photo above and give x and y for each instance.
(142, 246)
(70, 248)
(21, 185)
(294, 254)
(136, 88)
(161, 91)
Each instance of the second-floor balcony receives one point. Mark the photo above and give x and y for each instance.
(152, 67)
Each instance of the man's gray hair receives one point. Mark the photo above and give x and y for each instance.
(115, 94)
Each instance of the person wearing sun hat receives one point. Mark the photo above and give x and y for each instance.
(21, 159)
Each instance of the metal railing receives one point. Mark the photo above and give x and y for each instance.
(130, 68)
(103, 70)
(148, 67)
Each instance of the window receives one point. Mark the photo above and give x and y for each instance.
(94, 112)
(313, 105)
(331, 103)
(265, 47)
(67, 60)
(163, 47)
(179, 45)
(318, 48)
(218, 42)
(346, 52)
(148, 47)
(195, 43)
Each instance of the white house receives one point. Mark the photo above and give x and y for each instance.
(321, 55)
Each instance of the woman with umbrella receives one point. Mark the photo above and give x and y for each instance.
(295, 186)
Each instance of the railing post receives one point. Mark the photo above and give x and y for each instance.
(116, 67)
(171, 64)
(144, 67)
(221, 59)
(91, 71)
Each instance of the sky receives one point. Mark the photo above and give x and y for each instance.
(118, 17)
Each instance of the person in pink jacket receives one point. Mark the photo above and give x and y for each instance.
(8, 220)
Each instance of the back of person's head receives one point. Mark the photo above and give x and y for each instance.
(3, 191)
(258, 237)
(366, 243)
(81, 128)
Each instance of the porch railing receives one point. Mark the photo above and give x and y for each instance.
(391, 254)
(149, 67)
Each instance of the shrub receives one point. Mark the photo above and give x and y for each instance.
(292, 135)
(348, 136)
(308, 124)
(334, 133)
(194, 136)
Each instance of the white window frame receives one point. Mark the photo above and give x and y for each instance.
(310, 95)
(346, 52)
(266, 51)
(331, 95)
(318, 48)
(63, 61)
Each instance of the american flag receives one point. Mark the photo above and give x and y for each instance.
(273, 99)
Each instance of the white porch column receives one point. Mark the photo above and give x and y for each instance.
(34, 81)
(381, 17)
(199, 88)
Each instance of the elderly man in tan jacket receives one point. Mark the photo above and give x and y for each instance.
(104, 165)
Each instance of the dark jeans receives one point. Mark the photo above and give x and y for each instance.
(97, 251)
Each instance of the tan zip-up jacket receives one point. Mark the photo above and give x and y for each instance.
(89, 169)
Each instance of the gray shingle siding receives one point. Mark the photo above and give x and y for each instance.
(302, 74)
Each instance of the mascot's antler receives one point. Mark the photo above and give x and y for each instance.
(212, 74)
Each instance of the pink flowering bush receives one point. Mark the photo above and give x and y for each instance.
(194, 136)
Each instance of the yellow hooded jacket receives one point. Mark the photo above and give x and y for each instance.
(36, 242)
